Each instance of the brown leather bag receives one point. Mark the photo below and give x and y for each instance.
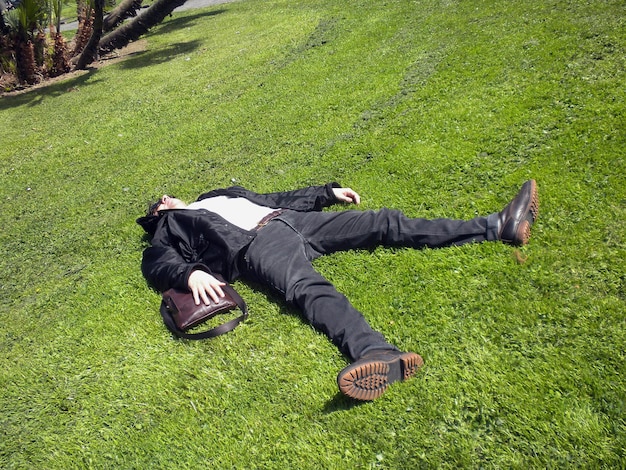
(180, 312)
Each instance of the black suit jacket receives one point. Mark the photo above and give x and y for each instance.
(186, 240)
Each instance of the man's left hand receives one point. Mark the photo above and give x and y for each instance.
(347, 195)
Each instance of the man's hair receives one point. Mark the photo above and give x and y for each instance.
(152, 207)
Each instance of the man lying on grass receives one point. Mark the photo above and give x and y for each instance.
(272, 239)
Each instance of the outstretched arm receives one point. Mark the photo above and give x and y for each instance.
(311, 198)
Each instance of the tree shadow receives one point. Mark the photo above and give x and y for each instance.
(145, 58)
(35, 95)
(32, 97)
(182, 21)
(162, 55)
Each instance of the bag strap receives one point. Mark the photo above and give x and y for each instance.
(212, 333)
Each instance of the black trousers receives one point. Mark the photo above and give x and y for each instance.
(281, 255)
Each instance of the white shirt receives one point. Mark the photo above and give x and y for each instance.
(237, 210)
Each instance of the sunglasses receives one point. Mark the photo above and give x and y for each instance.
(152, 208)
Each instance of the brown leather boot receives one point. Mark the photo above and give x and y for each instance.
(369, 377)
(517, 217)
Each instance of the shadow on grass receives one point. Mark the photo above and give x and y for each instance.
(183, 21)
(147, 58)
(341, 402)
(36, 95)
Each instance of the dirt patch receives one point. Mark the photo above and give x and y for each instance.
(108, 59)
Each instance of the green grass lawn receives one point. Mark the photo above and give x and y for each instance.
(438, 108)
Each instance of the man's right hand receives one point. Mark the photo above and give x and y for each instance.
(205, 287)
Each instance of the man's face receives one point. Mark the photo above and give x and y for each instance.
(168, 202)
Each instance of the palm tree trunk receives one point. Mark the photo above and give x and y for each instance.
(90, 53)
(60, 63)
(25, 58)
(138, 26)
(126, 9)
(85, 28)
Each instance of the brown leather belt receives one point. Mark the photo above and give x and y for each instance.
(265, 220)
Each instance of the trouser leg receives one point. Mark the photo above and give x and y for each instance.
(328, 232)
(281, 255)
(281, 258)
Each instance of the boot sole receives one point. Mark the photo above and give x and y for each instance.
(522, 235)
(367, 381)
(534, 202)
